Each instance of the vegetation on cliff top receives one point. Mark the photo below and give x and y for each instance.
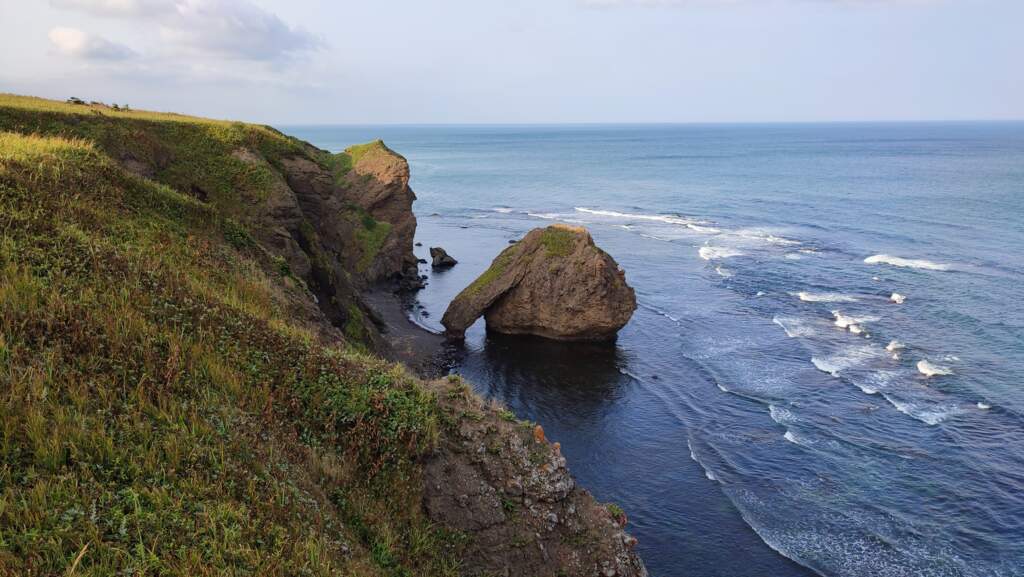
(343, 162)
(189, 154)
(162, 414)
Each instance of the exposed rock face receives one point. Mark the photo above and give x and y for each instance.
(378, 183)
(441, 258)
(502, 482)
(555, 283)
(340, 222)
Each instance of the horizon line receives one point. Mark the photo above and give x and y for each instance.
(653, 123)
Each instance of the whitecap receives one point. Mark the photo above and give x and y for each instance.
(794, 327)
(792, 256)
(897, 298)
(984, 406)
(928, 369)
(855, 329)
(760, 293)
(824, 297)
(905, 262)
(848, 358)
(781, 415)
(717, 252)
(723, 272)
(789, 436)
(866, 389)
(847, 322)
(894, 346)
(502, 209)
(667, 219)
(545, 215)
(927, 415)
(826, 366)
(765, 236)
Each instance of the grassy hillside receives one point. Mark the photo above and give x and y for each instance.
(161, 413)
(188, 383)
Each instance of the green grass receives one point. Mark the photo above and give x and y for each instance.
(494, 271)
(162, 412)
(558, 241)
(370, 236)
(343, 162)
(183, 152)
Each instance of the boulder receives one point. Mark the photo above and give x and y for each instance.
(554, 283)
(441, 259)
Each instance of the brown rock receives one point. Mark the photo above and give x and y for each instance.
(441, 259)
(492, 478)
(554, 283)
(378, 183)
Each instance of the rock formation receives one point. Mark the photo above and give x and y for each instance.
(554, 283)
(440, 258)
(501, 481)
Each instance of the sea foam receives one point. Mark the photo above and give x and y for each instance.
(810, 297)
(848, 322)
(794, 327)
(926, 368)
(717, 252)
(905, 262)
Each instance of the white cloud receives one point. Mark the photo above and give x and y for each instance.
(76, 43)
(121, 8)
(230, 29)
(234, 29)
(616, 3)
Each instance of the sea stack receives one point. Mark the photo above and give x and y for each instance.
(554, 283)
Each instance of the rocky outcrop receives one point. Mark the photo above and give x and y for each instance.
(341, 223)
(377, 184)
(554, 283)
(440, 258)
(501, 481)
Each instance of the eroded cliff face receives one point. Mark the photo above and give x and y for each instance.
(502, 482)
(555, 283)
(341, 223)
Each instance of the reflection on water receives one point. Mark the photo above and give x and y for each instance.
(548, 376)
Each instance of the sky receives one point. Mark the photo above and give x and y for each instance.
(524, 61)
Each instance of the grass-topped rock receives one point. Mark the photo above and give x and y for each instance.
(555, 283)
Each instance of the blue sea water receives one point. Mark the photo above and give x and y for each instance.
(755, 418)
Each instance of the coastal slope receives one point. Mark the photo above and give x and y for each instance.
(194, 384)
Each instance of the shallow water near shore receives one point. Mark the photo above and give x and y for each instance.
(751, 418)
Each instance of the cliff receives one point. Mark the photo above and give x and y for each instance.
(555, 283)
(193, 385)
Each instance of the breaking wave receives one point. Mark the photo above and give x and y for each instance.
(717, 252)
(905, 262)
(810, 297)
(926, 368)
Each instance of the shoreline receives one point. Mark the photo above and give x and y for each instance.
(427, 354)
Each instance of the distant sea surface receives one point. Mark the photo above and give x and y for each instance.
(769, 411)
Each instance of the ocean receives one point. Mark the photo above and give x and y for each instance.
(770, 410)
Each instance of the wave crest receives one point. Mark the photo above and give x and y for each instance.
(905, 262)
